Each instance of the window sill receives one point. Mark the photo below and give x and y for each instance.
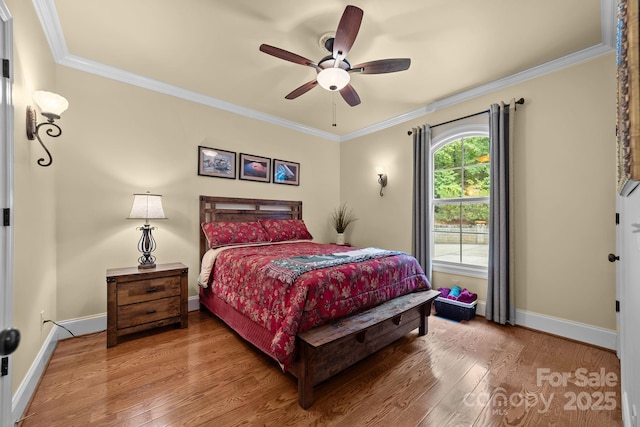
(459, 269)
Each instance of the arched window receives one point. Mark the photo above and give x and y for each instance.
(460, 200)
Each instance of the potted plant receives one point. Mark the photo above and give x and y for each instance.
(341, 219)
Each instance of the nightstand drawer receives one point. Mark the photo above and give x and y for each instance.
(146, 312)
(147, 290)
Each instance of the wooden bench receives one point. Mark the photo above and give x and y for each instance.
(329, 349)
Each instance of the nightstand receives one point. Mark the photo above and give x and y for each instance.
(139, 299)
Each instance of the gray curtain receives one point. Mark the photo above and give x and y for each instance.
(500, 284)
(421, 183)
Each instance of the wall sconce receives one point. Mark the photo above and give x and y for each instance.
(51, 106)
(147, 206)
(382, 179)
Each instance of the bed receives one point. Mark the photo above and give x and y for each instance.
(304, 304)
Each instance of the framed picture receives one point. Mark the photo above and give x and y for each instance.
(215, 162)
(628, 114)
(286, 172)
(255, 168)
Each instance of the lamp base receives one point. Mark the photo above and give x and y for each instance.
(146, 266)
(146, 245)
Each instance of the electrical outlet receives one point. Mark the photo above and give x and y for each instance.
(41, 319)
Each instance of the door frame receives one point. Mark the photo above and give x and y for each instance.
(619, 273)
(6, 200)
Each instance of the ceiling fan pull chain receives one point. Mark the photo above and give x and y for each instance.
(333, 101)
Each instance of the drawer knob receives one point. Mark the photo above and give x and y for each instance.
(151, 311)
(397, 320)
(152, 289)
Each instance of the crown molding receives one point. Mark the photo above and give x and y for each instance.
(109, 72)
(50, 22)
(540, 70)
(48, 15)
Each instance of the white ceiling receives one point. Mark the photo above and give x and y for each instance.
(207, 51)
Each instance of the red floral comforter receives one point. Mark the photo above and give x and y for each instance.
(316, 297)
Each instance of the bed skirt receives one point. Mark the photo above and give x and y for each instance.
(242, 325)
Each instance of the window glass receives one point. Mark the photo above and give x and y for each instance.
(476, 150)
(447, 183)
(475, 234)
(447, 233)
(461, 187)
(449, 156)
(476, 180)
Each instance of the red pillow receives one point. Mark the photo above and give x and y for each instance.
(230, 233)
(280, 230)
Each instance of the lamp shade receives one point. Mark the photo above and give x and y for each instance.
(50, 103)
(147, 206)
(333, 78)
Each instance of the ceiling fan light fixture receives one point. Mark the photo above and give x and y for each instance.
(334, 70)
(333, 78)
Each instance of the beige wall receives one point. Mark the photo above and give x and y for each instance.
(119, 140)
(35, 258)
(565, 190)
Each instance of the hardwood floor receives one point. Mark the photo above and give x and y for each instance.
(460, 374)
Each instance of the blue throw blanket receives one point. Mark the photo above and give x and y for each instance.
(289, 269)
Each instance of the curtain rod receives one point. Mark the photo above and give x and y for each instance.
(519, 101)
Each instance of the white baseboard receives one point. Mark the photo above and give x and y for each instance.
(27, 387)
(582, 332)
(88, 325)
(601, 337)
(480, 308)
(82, 326)
(194, 303)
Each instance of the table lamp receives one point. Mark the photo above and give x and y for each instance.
(147, 206)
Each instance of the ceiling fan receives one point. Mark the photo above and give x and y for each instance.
(334, 70)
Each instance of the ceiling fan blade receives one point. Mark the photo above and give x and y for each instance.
(350, 95)
(382, 66)
(287, 56)
(302, 89)
(347, 31)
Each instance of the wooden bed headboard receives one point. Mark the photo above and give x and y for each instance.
(234, 209)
